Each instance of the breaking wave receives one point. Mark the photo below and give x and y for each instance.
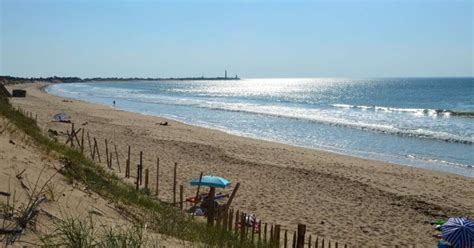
(429, 112)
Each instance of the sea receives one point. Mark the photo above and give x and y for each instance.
(419, 122)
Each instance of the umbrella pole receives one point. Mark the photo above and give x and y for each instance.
(210, 214)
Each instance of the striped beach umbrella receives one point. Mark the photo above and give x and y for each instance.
(459, 232)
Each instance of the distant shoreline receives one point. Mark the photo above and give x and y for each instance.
(14, 80)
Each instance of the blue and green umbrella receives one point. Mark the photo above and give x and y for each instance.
(211, 181)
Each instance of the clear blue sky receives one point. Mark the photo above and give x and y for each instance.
(249, 38)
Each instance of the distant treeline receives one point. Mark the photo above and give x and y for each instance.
(16, 80)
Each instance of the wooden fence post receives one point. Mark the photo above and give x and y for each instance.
(174, 184)
(253, 231)
(181, 189)
(138, 177)
(97, 149)
(110, 161)
(231, 218)
(294, 240)
(107, 153)
(272, 238)
(210, 213)
(301, 234)
(225, 218)
(265, 234)
(242, 227)
(141, 168)
(82, 141)
(36, 119)
(72, 133)
(276, 236)
(316, 245)
(285, 239)
(117, 157)
(309, 241)
(237, 220)
(322, 243)
(157, 176)
(127, 166)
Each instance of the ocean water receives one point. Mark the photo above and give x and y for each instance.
(422, 122)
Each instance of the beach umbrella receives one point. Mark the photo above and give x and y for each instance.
(211, 181)
(459, 232)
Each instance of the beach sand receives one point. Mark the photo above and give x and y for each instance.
(26, 170)
(342, 198)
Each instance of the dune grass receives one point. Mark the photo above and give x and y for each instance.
(159, 216)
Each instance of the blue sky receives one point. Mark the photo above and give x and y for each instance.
(249, 38)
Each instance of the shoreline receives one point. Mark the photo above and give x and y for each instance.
(410, 160)
(348, 194)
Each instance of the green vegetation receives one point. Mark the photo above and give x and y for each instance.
(78, 233)
(158, 216)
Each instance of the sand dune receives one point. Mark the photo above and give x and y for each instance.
(351, 200)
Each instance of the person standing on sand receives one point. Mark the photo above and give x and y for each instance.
(114, 103)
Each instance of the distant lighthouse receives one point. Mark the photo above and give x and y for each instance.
(225, 74)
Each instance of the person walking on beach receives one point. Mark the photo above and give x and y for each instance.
(114, 103)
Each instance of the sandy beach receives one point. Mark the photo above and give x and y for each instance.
(342, 198)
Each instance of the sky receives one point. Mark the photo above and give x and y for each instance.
(254, 39)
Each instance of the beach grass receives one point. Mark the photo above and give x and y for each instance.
(159, 216)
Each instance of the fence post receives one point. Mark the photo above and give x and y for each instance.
(301, 234)
(276, 236)
(225, 218)
(294, 240)
(265, 234)
(174, 184)
(110, 161)
(157, 176)
(117, 157)
(237, 220)
(322, 243)
(242, 227)
(231, 218)
(309, 241)
(253, 231)
(316, 245)
(97, 149)
(141, 168)
(107, 153)
(181, 189)
(285, 239)
(272, 238)
(210, 214)
(72, 133)
(82, 141)
(127, 166)
(138, 177)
